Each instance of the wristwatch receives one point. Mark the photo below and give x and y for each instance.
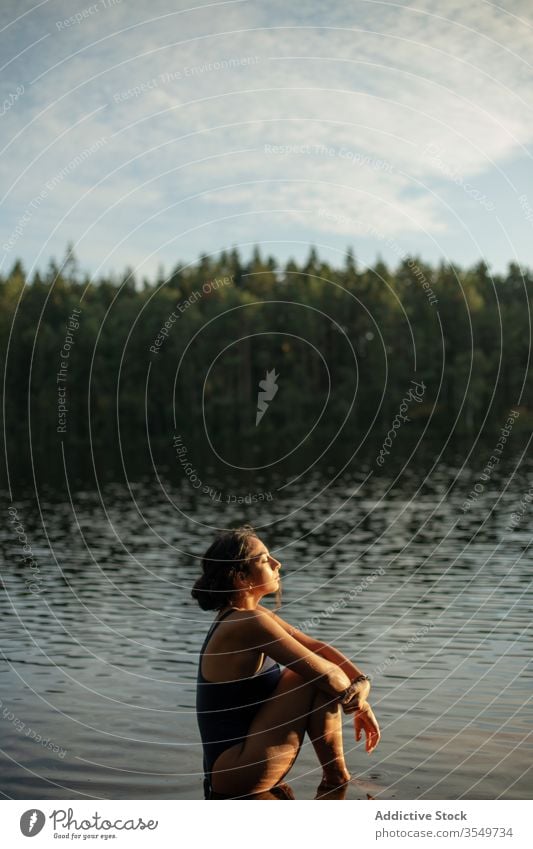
(349, 691)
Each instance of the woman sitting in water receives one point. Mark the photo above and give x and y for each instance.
(252, 714)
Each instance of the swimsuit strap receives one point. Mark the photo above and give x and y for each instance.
(224, 615)
(213, 628)
(220, 619)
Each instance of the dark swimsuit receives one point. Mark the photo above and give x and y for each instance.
(225, 709)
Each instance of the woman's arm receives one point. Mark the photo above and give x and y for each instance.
(317, 646)
(311, 659)
(337, 657)
(260, 630)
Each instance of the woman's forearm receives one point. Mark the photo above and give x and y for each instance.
(335, 656)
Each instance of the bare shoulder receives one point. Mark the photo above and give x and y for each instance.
(291, 630)
(278, 620)
(264, 610)
(244, 628)
(251, 618)
(259, 623)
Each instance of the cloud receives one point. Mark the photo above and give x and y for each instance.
(192, 101)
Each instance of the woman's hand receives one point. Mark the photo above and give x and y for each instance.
(358, 698)
(364, 720)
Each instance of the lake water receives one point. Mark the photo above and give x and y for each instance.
(99, 661)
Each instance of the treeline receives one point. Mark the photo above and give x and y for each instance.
(185, 353)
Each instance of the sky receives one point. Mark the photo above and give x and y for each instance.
(149, 133)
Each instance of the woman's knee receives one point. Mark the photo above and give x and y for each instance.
(273, 741)
(295, 684)
(309, 691)
(323, 701)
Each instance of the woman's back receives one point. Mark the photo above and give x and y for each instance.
(223, 655)
(225, 708)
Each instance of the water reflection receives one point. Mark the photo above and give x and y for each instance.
(100, 659)
(281, 792)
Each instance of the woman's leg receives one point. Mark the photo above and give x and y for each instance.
(324, 728)
(275, 736)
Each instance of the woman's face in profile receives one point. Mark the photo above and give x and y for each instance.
(264, 569)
